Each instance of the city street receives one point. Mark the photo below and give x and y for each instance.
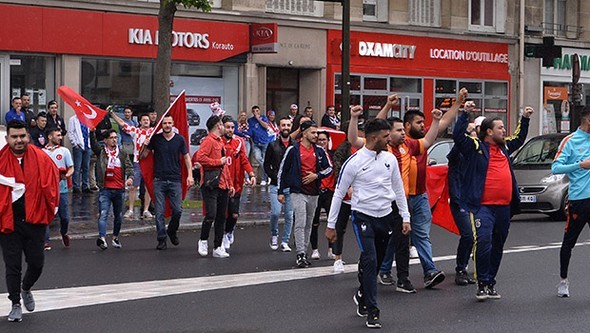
(139, 289)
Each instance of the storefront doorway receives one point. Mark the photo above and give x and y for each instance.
(282, 89)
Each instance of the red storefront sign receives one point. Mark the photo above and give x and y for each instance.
(264, 37)
(67, 31)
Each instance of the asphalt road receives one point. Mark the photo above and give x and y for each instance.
(139, 289)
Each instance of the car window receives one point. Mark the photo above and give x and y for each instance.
(537, 152)
(438, 154)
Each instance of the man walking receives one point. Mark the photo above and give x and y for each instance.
(114, 171)
(374, 176)
(272, 163)
(28, 206)
(302, 170)
(216, 186)
(80, 139)
(169, 148)
(63, 160)
(238, 165)
(261, 137)
(573, 159)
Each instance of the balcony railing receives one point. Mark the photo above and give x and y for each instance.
(296, 7)
(561, 30)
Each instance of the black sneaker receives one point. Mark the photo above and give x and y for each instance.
(300, 262)
(482, 292)
(405, 286)
(434, 278)
(361, 308)
(307, 262)
(462, 278)
(385, 279)
(102, 243)
(162, 245)
(173, 238)
(373, 320)
(492, 293)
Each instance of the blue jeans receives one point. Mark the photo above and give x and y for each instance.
(173, 191)
(64, 216)
(275, 211)
(258, 153)
(81, 167)
(106, 197)
(463, 222)
(491, 225)
(421, 219)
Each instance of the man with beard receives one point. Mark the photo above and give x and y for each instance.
(216, 186)
(38, 135)
(29, 114)
(272, 162)
(168, 148)
(28, 206)
(53, 119)
(302, 170)
(374, 176)
(235, 150)
(488, 198)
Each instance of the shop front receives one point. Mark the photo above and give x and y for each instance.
(557, 115)
(425, 72)
(110, 58)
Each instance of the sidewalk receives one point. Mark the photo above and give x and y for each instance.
(254, 210)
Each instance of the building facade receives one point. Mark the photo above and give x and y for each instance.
(423, 50)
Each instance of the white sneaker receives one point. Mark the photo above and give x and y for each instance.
(274, 243)
(413, 252)
(225, 241)
(338, 266)
(331, 254)
(563, 288)
(230, 237)
(203, 248)
(219, 252)
(285, 247)
(315, 254)
(263, 183)
(148, 215)
(128, 214)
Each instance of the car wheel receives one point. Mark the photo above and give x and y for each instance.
(561, 214)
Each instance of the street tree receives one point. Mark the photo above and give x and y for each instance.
(163, 62)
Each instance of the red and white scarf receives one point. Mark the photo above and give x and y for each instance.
(113, 156)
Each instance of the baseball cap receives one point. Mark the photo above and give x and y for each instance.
(294, 106)
(479, 120)
(306, 125)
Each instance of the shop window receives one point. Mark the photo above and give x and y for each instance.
(554, 23)
(375, 10)
(355, 82)
(472, 87)
(445, 87)
(398, 84)
(556, 115)
(375, 83)
(35, 76)
(424, 12)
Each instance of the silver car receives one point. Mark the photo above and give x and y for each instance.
(540, 190)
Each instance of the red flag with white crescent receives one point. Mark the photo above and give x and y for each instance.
(88, 114)
(437, 186)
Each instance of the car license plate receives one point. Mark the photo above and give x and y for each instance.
(528, 198)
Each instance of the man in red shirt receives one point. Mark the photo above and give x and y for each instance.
(216, 186)
(114, 171)
(238, 165)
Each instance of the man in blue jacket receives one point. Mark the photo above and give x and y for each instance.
(258, 127)
(573, 159)
(302, 169)
(487, 198)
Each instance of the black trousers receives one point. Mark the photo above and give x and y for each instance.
(27, 238)
(324, 201)
(578, 217)
(215, 203)
(233, 212)
(341, 223)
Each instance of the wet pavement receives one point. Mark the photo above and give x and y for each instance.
(254, 210)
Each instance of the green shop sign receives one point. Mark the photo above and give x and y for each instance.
(565, 62)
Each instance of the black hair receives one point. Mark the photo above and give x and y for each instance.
(51, 102)
(41, 114)
(376, 125)
(15, 98)
(255, 107)
(109, 132)
(393, 120)
(24, 94)
(52, 129)
(486, 124)
(326, 133)
(144, 115)
(16, 124)
(585, 113)
(227, 119)
(285, 118)
(410, 115)
(212, 122)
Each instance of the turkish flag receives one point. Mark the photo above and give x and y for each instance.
(178, 112)
(437, 186)
(88, 114)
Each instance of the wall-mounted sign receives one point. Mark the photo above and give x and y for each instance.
(264, 38)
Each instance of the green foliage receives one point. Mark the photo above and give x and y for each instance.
(203, 5)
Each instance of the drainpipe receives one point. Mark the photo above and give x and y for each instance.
(521, 58)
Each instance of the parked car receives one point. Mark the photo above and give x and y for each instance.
(198, 135)
(193, 117)
(540, 190)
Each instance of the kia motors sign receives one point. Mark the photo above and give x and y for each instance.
(264, 38)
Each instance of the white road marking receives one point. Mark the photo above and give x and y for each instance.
(64, 298)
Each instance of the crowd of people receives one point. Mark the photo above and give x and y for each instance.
(376, 178)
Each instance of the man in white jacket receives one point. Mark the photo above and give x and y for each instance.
(80, 139)
(374, 176)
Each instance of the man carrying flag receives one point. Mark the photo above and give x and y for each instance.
(166, 172)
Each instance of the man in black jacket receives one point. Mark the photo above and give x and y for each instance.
(272, 162)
